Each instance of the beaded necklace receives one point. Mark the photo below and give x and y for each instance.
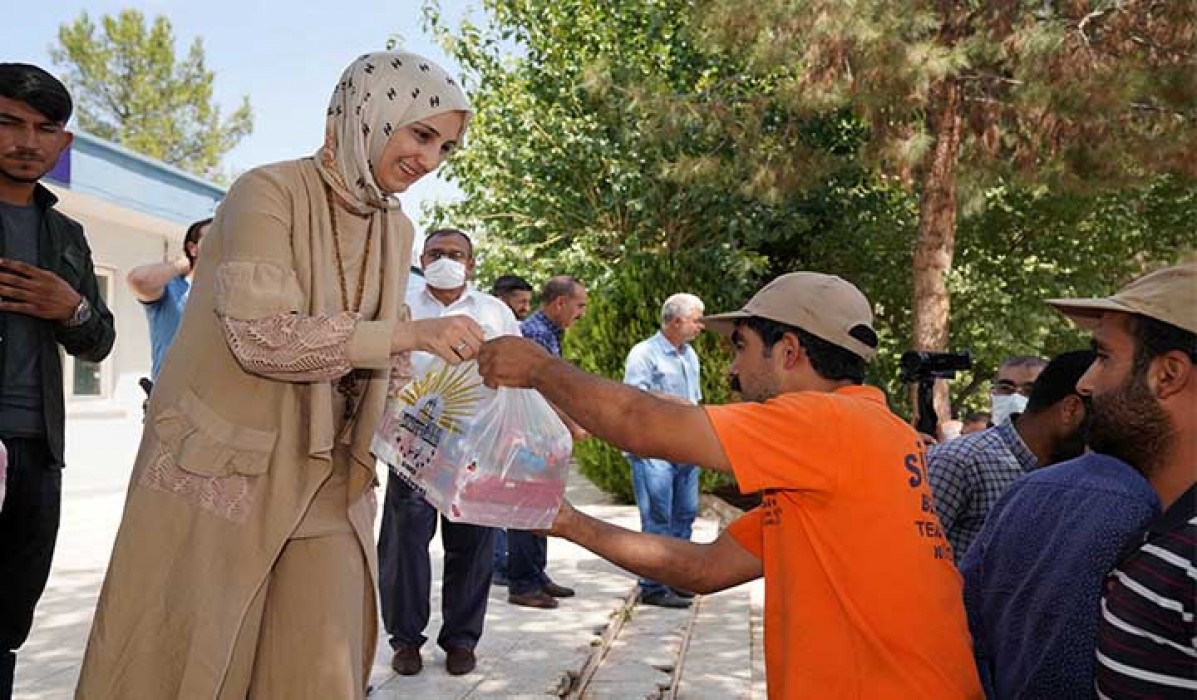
(349, 384)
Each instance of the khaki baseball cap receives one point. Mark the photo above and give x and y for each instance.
(822, 305)
(1168, 295)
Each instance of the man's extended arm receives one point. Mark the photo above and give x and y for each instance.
(632, 420)
(702, 568)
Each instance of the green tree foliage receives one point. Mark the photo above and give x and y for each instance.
(131, 89)
(565, 171)
(1081, 95)
(632, 145)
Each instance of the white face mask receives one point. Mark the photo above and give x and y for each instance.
(1003, 405)
(445, 274)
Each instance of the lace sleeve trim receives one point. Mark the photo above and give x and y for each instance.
(293, 348)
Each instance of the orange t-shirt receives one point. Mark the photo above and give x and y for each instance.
(861, 597)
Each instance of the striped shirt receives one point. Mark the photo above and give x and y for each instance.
(1147, 640)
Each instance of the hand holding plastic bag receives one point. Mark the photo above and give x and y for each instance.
(489, 457)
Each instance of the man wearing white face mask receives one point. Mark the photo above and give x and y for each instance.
(968, 475)
(408, 522)
(1012, 386)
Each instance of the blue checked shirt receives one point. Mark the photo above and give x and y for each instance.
(968, 476)
(542, 330)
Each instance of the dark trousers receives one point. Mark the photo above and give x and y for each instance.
(405, 571)
(527, 559)
(500, 552)
(28, 529)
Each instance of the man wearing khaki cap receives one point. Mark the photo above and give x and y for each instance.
(1143, 386)
(861, 596)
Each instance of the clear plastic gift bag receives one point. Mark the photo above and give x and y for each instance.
(489, 457)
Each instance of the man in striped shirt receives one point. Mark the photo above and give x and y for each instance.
(1143, 386)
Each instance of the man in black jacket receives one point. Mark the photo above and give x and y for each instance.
(48, 297)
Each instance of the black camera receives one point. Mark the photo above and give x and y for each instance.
(924, 368)
(918, 365)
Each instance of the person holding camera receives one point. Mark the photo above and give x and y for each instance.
(861, 597)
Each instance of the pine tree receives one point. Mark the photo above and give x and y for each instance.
(1075, 95)
(131, 89)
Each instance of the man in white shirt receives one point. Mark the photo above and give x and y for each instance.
(408, 521)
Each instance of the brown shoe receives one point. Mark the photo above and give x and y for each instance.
(558, 591)
(460, 661)
(533, 599)
(407, 661)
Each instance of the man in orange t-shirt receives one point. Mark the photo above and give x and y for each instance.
(861, 597)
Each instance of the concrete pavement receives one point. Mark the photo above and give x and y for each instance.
(599, 644)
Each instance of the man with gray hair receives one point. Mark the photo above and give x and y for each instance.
(667, 493)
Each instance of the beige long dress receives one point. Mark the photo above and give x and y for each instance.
(244, 564)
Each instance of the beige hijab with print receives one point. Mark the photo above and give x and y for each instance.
(377, 94)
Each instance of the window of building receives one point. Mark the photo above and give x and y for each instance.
(91, 380)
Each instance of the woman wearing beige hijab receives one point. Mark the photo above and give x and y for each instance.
(245, 565)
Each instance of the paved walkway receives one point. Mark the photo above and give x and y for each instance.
(596, 645)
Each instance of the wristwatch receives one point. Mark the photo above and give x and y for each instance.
(81, 314)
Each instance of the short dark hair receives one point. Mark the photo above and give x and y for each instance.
(451, 232)
(1154, 337)
(559, 286)
(830, 361)
(1058, 379)
(193, 235)
(193, 231)
(38, 89)
(509, 283)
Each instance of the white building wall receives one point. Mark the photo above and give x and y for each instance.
(134, 211)
(105, 430)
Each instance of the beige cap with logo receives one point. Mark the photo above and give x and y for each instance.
(822, 305)
(1168, 295)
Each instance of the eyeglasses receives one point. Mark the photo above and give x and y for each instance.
(454, 255)
(1005, 387)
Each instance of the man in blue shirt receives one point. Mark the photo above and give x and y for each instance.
(163, 288)
(667, 493)
(562, 301)
(1033, 577)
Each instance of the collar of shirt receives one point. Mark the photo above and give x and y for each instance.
(540, 318)
(424, 305)
(1017, 447)
(1182, 511)
(43, 197)
(668, 347)
(1179, 514)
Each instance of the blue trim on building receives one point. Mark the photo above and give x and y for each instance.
(116, 174)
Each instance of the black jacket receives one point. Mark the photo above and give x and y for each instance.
(64, 252)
